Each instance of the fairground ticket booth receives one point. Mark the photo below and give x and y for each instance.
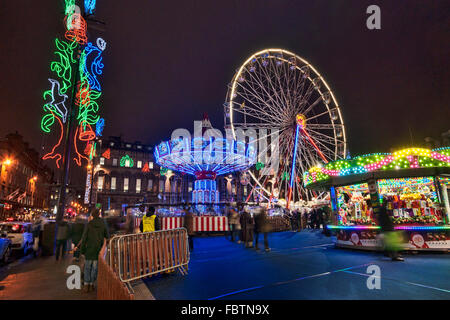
(414, 183)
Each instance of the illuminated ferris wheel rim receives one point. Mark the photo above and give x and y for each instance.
(241, 69)
(282, 53)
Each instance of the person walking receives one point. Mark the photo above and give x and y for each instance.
(76, 235)
(262, 226)
(150, 221)
(227, 213)
(299, 220)
(391, 238)
(189, 225)
(92, 241)
(130, 221)
(247, 225)
(62, 235)
(235, 224)
(38, 225)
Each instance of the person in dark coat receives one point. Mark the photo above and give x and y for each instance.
(189, 225)
(92, 241)
(76, 235)
(262, 226)
(247, 225)
(391, 238)
(62, 235)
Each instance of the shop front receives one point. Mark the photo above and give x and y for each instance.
(412, 184)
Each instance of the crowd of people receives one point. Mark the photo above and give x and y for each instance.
(309, 218)
(84, 237)
(246, 227)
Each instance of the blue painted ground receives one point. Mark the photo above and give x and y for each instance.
(303, 265)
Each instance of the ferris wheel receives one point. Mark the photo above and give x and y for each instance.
(295, 115)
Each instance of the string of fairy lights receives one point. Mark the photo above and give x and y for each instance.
(410, 158)
(73, 47)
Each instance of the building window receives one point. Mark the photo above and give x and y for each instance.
(139, 164)
(161, 185)
(150, 185)
(150, 165)
(125, 184)
(111, 144)
(139, 147)
(114, 163)
(102, 161)
(113, 183)
(128, 145)
(100, 183)
(138, 185)
(190, 187)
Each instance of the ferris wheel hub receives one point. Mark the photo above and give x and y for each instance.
(300, 120)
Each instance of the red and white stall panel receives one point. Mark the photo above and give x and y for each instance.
(171, 223)
(210, 223)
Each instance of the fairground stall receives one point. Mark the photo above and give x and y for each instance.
(413, 182)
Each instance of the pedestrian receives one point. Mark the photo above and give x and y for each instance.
(299, 220)
(150, 221)
(247, 225)
(92, 241)
(227, 213)
(38, 225)
(235, 224)
(129, 225)
(62, 235)
(262, 226)
(189, 225)
(76, 235)
(391, 238)
(326, 221)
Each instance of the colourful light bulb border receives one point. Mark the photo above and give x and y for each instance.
(410, 158)
(333, 227)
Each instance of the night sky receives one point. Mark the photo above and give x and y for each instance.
(167, 62)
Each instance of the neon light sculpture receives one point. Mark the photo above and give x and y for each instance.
(96, 67)
(57, 104)
(77, 28)
(146, 169)
(89, 6)
(88, 89)
(63, 67)
(53, 154)
(126, 161)
(99, 126)
(107, 154)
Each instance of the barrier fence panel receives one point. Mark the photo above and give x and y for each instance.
(136, 256)
(109, 286)
(201, 223)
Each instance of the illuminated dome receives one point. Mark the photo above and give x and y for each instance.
(205, 159)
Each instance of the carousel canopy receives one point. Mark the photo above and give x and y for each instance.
(205, 157)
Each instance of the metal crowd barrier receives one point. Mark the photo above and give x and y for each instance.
(109, 286)
(136, 256)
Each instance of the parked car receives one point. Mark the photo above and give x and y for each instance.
(5, 247)
(20, 234)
